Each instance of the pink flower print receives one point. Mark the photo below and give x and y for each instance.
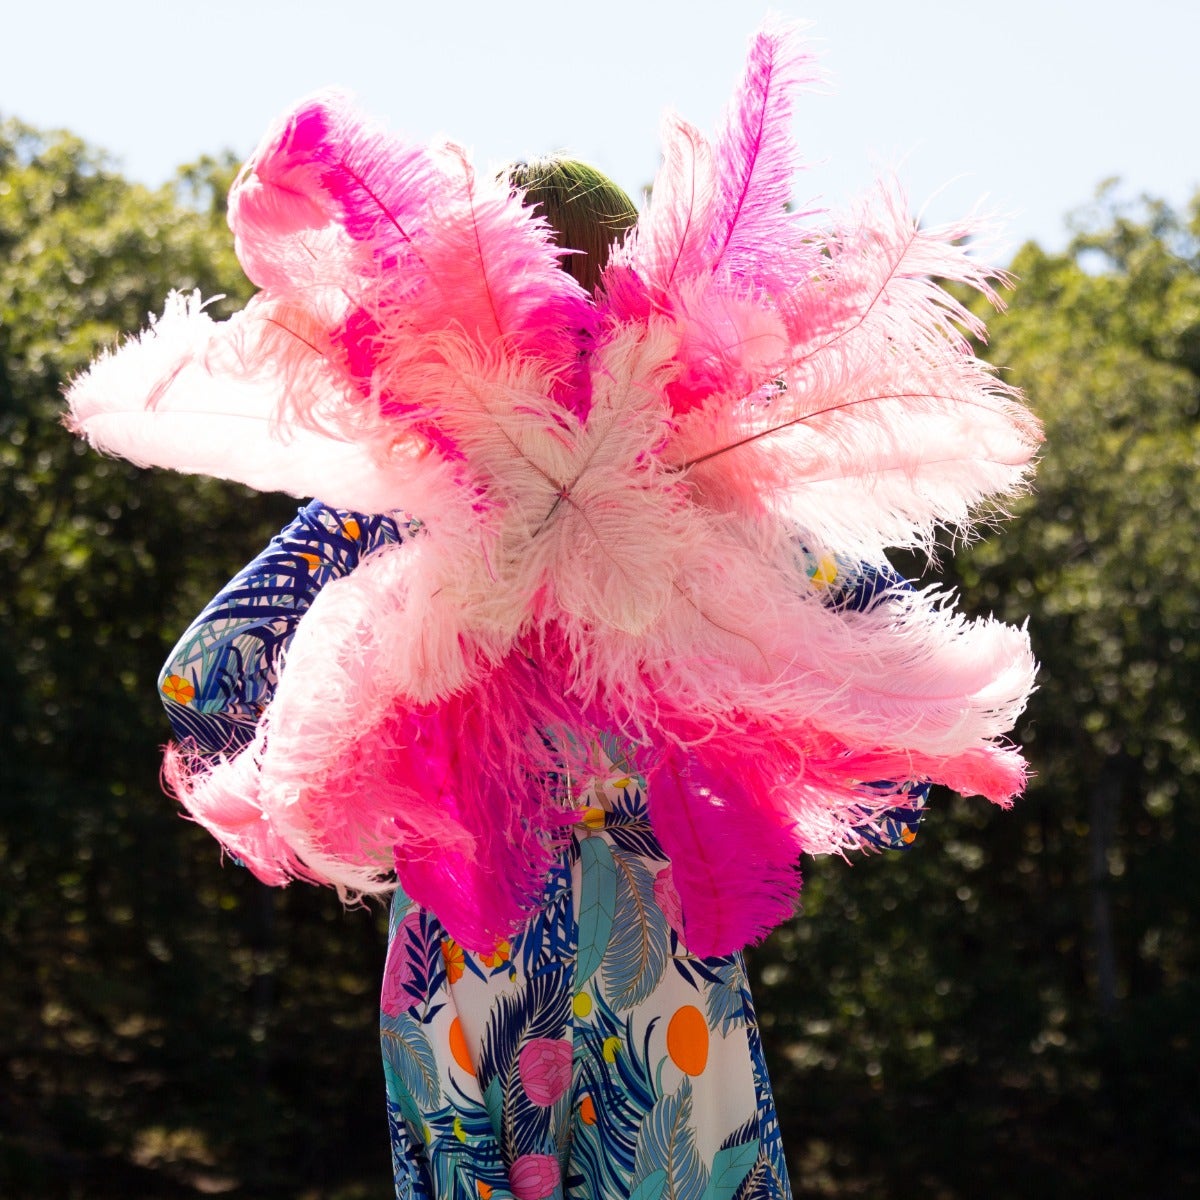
(545, 1066)
(534, 1176)
(667, 899)
(398, 970)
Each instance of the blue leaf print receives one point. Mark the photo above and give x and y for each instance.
(765, 1181)
(746, 1132)
(636, 839)
(708, 968)
(621, 753)
(463, 1150)
(766, 1178)
(730, 1167)
(630, 810)
(622, 1088)
(541, 1009)
(637, 950)
(421, 940)
(595, 1169)
(772, 1176)
(401, 1105)
(408, 1161)
(725, 1003)
(597, 906)
(406, 1050)
(667, 1141)
(548, 940)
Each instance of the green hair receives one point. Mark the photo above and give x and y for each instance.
(586, 211)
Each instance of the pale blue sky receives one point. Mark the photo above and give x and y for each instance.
(1029, 104)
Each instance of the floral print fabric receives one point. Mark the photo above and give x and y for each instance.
(589, 1057)
(222, 673)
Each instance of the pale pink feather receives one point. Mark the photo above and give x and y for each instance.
(203, 397)
(883, 424)
(671, 241)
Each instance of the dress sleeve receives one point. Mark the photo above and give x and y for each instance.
(858, 587)
(221, 675)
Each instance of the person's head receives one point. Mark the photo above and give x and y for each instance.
(584, 208)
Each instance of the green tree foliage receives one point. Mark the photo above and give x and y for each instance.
(1011, 1007)
(164, 1022)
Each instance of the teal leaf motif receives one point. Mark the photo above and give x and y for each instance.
(638, 947)
(397, 911)
(730, 1166)
(400, 1102)
(408, 1053)
(597, 906)
(652, 1187)
(493, 1099)
(667, 1141)
(764, 1182)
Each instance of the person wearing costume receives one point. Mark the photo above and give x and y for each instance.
(582, 712)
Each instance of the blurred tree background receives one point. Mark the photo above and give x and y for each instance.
(1009, 1007)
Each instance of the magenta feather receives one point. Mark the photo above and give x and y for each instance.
(735, 869)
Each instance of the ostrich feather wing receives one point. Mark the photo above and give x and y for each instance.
(190, 395)
(609, 488)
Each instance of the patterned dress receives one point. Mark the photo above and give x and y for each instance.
(592, 1056)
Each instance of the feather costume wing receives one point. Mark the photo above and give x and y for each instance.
(611, 490)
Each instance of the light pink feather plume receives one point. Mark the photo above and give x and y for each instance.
(616, 495)
(671, 242)
(882, 425)
(718, 246)
(183, 396)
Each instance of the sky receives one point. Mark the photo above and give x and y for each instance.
(1025, 105)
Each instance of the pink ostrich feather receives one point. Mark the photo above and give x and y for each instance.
(671, 240)
(755, 236)
(615, 494)
(735, 868)
(210, 398)
(324, 165)
(881, 401)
